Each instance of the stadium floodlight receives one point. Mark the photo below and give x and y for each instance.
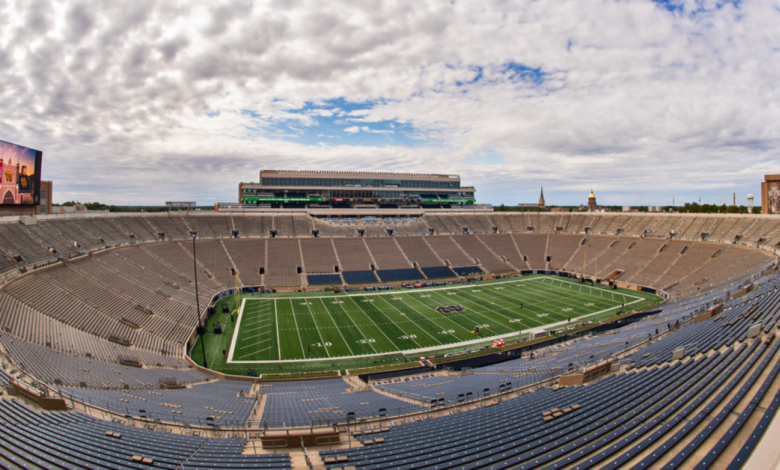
(194, 234)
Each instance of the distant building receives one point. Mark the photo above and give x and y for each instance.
(286, 189)
(47, 190)
(592, 206)
(540, 205)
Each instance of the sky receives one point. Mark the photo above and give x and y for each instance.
(644, 102)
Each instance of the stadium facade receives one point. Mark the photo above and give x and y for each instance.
(342, 189)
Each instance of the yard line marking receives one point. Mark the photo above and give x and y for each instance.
(438, 316)
(337, 327)
(255, 344)
(311, 314)
(297, 330)
(278, 344)
(253, 353)
(256, 336)
(383, 331)
(235, 332)
(356, 326)
(422, 329)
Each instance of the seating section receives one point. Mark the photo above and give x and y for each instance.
(446, 249)
(174, 227)
(534, 249)
(394, 275)
(480, 251)
(359, 277)
(387, 253)
(58, 368)
(248, 256)
(504, 246)
(252, 226)
(29, 439)
(282, 262)
(543, 427)
(467, 270)
(318, 255)
(562, 248)
(324, 401)
(213, 256)
(353, 254)
(438, 272)
(323, 279)
(418, 251)
(196, 405)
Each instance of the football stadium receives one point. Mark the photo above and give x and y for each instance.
(346, 334)
(367, 280)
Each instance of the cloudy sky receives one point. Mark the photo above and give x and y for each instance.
(143, 101)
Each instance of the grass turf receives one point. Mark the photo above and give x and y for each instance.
(327, 331)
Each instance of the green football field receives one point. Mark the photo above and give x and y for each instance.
(324, 330)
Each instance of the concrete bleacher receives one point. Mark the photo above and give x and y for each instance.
(353, 254)
(318, 255)
(533, 247)
(446, 249)
(31, 325)
(213, 256)
(248, 256)
(476, 249)
(504, 246)
(252, 226)
(141, 230)
(387, 253)
(283, 258)
(418, 251)
(174, 227)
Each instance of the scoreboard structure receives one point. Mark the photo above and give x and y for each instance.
(20, 175)
(770, 195)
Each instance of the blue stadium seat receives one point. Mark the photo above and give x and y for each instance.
(393, 275)
(438, 272)
(359, 277)
(323, 279)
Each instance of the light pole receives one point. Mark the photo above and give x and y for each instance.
(194, 234)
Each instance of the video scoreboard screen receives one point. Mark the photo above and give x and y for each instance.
(20, 175)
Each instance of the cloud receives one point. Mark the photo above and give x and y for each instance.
(642, 100)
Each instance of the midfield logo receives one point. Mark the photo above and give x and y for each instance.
(450, 309)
